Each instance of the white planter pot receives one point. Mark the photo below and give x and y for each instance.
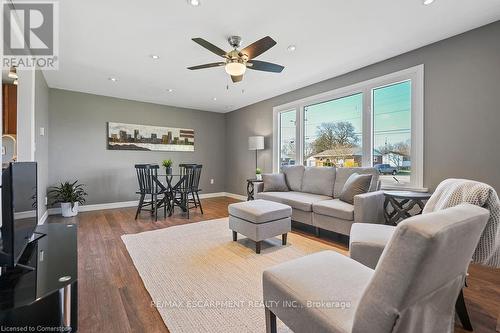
(67, 211)
(258, 176)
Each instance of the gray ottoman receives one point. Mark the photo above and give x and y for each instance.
(260, 220)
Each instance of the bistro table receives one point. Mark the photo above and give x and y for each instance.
(170, 190)
(399, 205)
(251, 187)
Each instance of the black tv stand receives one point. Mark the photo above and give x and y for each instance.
(26, 267)
(40, 293)
(36, 236)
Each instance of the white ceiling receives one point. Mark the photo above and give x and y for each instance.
(115, 38)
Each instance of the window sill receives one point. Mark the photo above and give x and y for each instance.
(389, 187)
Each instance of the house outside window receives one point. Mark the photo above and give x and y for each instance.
(376, 123)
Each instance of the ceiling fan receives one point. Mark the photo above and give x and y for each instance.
(237, 61)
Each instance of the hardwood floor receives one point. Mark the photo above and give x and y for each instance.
(112, 297)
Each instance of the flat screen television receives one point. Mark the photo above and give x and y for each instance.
(19, 210)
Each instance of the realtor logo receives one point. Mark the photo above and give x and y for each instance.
(30, 34)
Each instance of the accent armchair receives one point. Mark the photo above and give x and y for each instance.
(367, 241)
(412, 289)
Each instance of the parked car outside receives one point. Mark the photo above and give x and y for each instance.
(386, 169)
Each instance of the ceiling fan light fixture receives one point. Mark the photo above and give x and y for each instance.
(235, 68)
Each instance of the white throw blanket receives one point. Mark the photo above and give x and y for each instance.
(452, 192)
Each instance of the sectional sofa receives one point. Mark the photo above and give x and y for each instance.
(313, 195)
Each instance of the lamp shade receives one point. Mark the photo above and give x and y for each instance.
(255, 143)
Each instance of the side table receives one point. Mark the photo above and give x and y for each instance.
(402, 203)
(251, 187)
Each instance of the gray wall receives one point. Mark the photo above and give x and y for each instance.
(77, 139)
(41, 142)
(462, 111)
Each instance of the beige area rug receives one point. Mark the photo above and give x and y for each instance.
(202, 281)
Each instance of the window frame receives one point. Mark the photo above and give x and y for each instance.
(415, 74)
(278, 141)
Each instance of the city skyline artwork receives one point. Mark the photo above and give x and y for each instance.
(123, 136)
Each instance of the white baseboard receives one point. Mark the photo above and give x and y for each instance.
(212, 195)
(134, 203)
(236, 196)
(87, 208)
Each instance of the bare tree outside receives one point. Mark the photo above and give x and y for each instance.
(332, 135)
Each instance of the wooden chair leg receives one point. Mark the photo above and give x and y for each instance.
(139, 207)
(270, 321)
(462, 313)
(156, 207)
(235, 236)
(283, 239)
(152, 204)
(165, 206)
(257, 247)
(199, 202)
(194, 200)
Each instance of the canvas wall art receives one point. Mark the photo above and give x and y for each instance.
(152, 138)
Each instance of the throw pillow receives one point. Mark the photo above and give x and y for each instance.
(355, 184)
(274, 182)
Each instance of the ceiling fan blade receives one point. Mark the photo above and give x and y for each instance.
(209, 46)
(236, 78)
(259, 47)
(264, 66)
(214, 64)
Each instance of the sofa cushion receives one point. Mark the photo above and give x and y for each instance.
(323, 276)
(297, 200)
(344, 173)
(259, 211)
(367, 242)
(293, 176)
(355, 184)
(318, 180)
(274, 182)
(335, 208)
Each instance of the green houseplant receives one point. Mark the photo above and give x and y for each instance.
(69, 195)
(258, 174)
(168, 166)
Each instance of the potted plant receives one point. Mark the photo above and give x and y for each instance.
(69, 195)
(258, 174)
(168, 166)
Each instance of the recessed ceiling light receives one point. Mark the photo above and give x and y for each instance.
(170, 90)
(291, 48)
(155, 57)
(194, 3)
(113, 79)
(428, 2)
(215, 98)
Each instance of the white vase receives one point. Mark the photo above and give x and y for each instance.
(258, 176)
(67, 211)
